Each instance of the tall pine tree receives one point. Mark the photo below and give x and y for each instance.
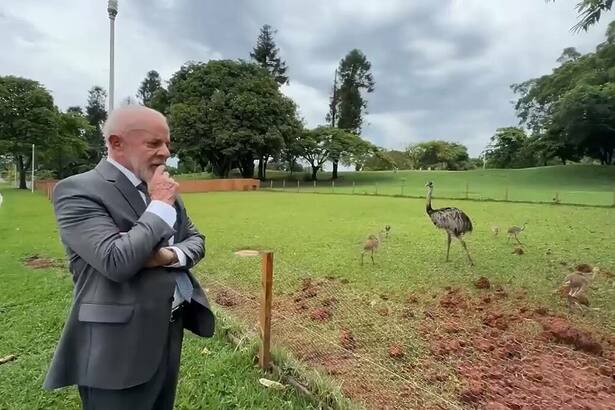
(348, 106)
(266, 54)
(148, 87)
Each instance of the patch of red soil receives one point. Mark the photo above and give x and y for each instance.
(38, 262)
(482, 283)
(562, 332)
(320, 314)
(225, 297)
(453, 300)
(395, 351)
(347, 340)
(505, 362)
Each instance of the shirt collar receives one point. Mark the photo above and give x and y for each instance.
(128, 173)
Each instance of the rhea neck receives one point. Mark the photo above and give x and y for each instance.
(428, 207)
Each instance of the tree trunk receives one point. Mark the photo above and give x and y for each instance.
(22, 173)
(334, 174)
(247, 167)
(314, 172)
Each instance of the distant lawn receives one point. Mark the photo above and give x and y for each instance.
(34, 305)
(575, 184)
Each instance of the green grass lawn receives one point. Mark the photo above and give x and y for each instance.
(322, 235)
(575, 184)
(33, 307)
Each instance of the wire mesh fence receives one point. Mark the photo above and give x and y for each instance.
(469, 191)
(453, 348)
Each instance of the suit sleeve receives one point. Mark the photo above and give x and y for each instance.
(87, 228)
(193, 245)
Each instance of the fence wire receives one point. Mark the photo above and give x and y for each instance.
(452, 349)
(467, 191)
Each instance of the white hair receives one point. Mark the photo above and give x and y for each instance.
(116, 121)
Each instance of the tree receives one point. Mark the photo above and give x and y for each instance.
(359, 155)
(438, 155)
(265, 53)
(227, 114)
(509, 149)
(331, 116)
(569, 54)
(314, 147)
(148, 88)
(355, 76)
(65, 156)
(27, 116)
(380, 160)
(96, 114)
(570, 111)
(590, 12)
(342, 146)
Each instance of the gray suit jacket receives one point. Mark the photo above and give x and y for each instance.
(118, 323)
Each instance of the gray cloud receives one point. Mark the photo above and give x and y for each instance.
(442, 69)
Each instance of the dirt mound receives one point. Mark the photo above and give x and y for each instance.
(482, 283)
(504, 360)
(562, 332)
(395, 351)
(321, 314)
(226, 297)
(584, 267)
(347, 340)
(453, 300)
(518, 251)
(38, 262)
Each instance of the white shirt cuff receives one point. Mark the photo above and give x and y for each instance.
(181, 258)
(165, 211)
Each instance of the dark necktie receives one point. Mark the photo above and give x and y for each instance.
(184, 286)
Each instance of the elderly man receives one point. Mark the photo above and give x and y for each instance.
(130, 244)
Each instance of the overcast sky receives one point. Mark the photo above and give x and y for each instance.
(442, 68)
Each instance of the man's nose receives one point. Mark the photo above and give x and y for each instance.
(165, 152)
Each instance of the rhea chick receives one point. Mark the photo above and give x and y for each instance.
(574, 287)
(370, 245)
(513, 231)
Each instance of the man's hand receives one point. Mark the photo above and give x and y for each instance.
(162, 187)
(162, 257)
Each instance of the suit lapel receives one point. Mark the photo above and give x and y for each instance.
(123, 184)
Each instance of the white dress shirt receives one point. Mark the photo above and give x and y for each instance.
(166, 212)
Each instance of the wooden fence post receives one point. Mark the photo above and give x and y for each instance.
(283, 184)
(264, 357)
(332, 185)
(297, 185)
(271, 184)
(354, 183)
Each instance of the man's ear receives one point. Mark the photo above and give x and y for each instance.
(115, 142)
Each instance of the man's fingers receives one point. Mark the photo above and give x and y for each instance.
(160, 169)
